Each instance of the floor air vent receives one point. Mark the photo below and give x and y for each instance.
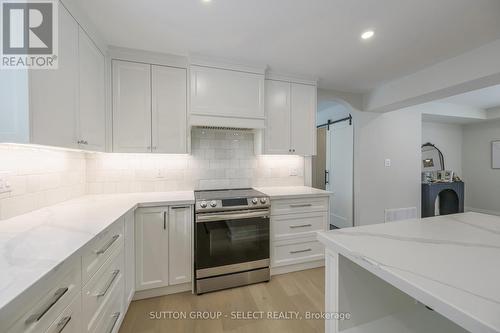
(400, 214)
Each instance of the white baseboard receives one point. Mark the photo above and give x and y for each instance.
(484, 211)
(297, 267)
(143, 294)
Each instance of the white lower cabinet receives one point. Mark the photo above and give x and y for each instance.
(36, 309)
(129, 256)
(151, 248)
(294, 223)
(90, 292)
(163, 246)
(70, 321)
(106, 284)
(179, 243)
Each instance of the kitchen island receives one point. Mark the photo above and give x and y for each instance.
(437, 274)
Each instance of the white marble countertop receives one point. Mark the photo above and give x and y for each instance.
(449, 263)
(292, 192)
(33, 244)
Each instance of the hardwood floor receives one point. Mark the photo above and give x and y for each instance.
(298, 292)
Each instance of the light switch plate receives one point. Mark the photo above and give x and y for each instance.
(388, 162)
(293, 172)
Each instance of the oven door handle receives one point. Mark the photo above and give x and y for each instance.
(231, 216)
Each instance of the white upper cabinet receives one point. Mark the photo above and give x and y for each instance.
(180, 254)
(92, 110)
(131, 107)
(219, 95)
(64, 107)
(278, 117)
(54, 93)
(303, 119)
(169, 113)
(291, 118)
(149, 108)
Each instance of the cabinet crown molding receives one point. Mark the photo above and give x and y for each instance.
(222, 64)
(147, 57)
(291, 78)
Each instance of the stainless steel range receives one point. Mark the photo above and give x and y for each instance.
(231, 238)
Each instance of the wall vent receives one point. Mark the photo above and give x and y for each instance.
(222, 128)
(400, 214)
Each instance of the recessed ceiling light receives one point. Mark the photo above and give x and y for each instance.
(206, 1)
(367, 34)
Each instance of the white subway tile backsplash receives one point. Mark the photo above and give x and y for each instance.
(39, 177)
(219, 159)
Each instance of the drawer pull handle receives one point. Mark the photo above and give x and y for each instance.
(61, 325)
(107, 246)
(300, 226)
(115, 317)
(179, 207)
(300, 251)
(109, 283)
(47, 306)
(301, 205)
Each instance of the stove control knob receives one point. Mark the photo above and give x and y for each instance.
(203, 204)
(255, 201)
(263, 200)
(213, 203)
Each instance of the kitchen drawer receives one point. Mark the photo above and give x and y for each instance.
(98, 250)
(300, 205)
(298, 225)
(44, 302)
(288, 253)
(70, 321)
(112, 316)
(106, 284)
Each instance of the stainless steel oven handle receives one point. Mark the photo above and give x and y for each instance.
(231, 216)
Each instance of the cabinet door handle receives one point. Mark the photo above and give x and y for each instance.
(114, 318)
(300, 226)
(300, 205)
(47, 306)
(108, 284)
(107, 245)
(61, 325)
(179, 207)
(165, 220)
(300, 251)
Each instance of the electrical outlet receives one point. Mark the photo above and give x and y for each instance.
(160, 173)
(293, 172)
(388, 162)
(5, 186)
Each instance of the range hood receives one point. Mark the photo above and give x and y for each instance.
(227, 122)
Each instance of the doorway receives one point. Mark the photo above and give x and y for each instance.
(333, 167)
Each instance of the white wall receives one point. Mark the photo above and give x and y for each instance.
(449, 139)
(482, 183)
(39, 177)
(397, 136)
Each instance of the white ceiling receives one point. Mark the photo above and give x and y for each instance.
(319, 38)
(481, 99)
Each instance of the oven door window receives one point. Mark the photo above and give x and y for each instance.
(230, 242)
